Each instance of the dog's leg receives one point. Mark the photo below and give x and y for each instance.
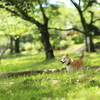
(68, 70)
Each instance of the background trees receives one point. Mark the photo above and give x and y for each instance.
(82, 7)
(12, 27)
(29, 10)
(43, 17)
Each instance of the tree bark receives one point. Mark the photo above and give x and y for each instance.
(85, 25)
(87, 33)
(17, 42)
(45, 40)
(11, 44)
(92, 48)
(23, 12)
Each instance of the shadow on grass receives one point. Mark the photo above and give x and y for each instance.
(26, 62)
(15, 55)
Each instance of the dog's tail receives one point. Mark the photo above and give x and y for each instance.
(82, 56)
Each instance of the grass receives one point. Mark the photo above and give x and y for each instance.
(54, 86)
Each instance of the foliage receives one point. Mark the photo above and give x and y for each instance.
(31, 46)
(12, 25)
(3, 41)
(78, 38)
(44, 14)
(29, 33)
(66, 43)
(55, 86)
(29, 10)
(83, 8)
(28, 46)
(61, 42)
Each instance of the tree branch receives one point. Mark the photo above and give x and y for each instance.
(92, 16)
(43, 12)
(90, 3)
(85, 8)
(67, 29)
(79, 2)
(96, 20)
(12, 11)
(76, 5)
(23, 16)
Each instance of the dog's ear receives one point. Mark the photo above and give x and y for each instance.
(66, 55)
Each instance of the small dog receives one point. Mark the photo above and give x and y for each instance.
(73, 65)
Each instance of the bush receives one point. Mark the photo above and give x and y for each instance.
(63, 44)
(55, 43)
(59, 43)
(22, 46)
(78, 38)
(29, 46)
(26, 46)
(38, 46)
(3, 41)
(66, 43)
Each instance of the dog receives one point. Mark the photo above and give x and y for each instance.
(73, 65)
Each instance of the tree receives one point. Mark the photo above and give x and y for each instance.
(29, 10)
(83, 6)
(13, 27)
(4, 48)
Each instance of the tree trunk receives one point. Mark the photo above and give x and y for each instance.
(11, 44)
(46, 43)
(85, 25)
(88, 34)
(17, 41)
(92, 48)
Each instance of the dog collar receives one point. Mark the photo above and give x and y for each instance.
(68, 64)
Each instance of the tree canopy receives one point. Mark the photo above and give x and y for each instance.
(45, 16)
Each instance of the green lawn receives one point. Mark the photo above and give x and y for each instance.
(53, 86)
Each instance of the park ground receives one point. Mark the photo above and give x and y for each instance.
(49, 86)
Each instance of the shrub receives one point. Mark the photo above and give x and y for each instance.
(22, 46)
(78, 38)
(63, 44)
(55, 43)
(60, 43)
(38, 46)
(28, 46)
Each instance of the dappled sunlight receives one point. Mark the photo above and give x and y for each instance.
(34, 34)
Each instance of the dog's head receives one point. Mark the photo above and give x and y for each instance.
(65, 59)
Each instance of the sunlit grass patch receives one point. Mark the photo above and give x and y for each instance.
(53, 86)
